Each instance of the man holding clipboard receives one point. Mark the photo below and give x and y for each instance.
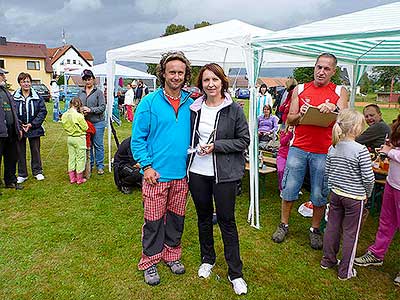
(310, 144)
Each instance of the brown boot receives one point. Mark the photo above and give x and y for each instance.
(80, 178)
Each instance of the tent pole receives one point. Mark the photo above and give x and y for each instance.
(110, 102)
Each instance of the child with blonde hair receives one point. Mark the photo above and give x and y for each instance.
(389, 220)
(350, 180)
(75, 125)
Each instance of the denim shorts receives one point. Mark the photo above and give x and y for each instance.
(295, 170)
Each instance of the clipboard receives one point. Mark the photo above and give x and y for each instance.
(314, 117)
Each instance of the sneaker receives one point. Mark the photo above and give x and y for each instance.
(205, 270)
(396, 281)
(353, 274)
(239, 286)
(39, 177)
(368, 259)
(21, 179)
(176, 267)
(280, 233)
(151, 276)
(326, 267)
(214, 219)
(315, 238)
(16, 186)
(100, 172)
(126, 190)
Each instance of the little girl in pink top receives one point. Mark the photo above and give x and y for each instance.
(389, 221)
(286, 136)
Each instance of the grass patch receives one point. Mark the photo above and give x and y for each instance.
(62, 241)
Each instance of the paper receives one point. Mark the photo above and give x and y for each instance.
(314, 117)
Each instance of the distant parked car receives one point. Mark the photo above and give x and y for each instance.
(195, 92)
(242, 93)
(72, 91)
(42, 91)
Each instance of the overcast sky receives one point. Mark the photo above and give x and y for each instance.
(100, 25)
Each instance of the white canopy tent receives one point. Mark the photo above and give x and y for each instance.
(120, 70)
(366, 38)
(226, 43)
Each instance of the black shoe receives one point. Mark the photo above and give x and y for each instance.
(214, 219)
(126, 190)
(16, 186)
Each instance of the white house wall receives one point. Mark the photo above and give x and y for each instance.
(62, 65)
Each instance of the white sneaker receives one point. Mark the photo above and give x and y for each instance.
(39, 177)
(205, 270)
(21, 179)
(239, 286)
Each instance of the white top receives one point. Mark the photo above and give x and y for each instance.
(129, 95)
(54, 89)
(203, 165)
(262, 101)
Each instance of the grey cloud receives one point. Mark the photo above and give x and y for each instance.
(100, 25)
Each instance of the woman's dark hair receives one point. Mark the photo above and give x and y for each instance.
(269, 108)
(263, 86)
(22, 76)
(169, 56)
(395, 136)
(219, 72)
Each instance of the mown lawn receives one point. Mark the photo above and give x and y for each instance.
(62, 241)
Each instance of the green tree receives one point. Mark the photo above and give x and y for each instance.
(173, 28)
(202, 24)
(306, 74)
(383, 76)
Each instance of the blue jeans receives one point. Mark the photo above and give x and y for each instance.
(295, 170)
(56, 109)
(97, 147)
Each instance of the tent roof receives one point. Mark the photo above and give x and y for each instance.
(367, 37)
(222, 43)
(101, 71)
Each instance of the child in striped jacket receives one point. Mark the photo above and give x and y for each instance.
(350, 180)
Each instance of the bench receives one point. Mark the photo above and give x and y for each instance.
(262, 178)
(269, 161)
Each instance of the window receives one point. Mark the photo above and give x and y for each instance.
(2, 63)
(33, 65)
(68, 61)
(74, 61)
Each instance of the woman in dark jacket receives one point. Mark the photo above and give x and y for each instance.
(94, 106)
(220, 135)
(31, 112)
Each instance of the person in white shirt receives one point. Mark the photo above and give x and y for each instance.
(264, 98)
(128, 102)
(55, 96)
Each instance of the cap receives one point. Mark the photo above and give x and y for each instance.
(2, 71)
(87, 73)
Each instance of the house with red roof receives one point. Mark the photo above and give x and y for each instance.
(32, 58)
(68, 58)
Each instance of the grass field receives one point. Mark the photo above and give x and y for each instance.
(62, 241)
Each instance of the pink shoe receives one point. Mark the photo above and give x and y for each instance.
(80, 179)
(72, 176)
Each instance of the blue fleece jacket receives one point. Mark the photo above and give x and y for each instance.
(161, 137)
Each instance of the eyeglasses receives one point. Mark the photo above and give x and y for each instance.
(87, 79)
